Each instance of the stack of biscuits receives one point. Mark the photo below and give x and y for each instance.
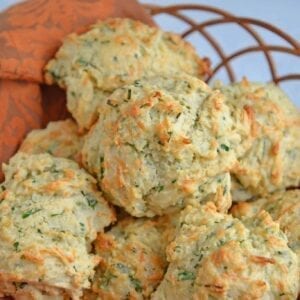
(160, 187)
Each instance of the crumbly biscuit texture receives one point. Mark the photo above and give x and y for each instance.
(134, 258)
(158, 141)
(215, 256)
(272, 162)
(50, 212)
(284, 207)
(59, 139)
(113, 53)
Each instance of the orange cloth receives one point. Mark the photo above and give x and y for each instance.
(30, 34)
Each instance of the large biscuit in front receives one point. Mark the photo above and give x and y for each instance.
(50, 212)
(113, 53)
(284, 207)
(215, 256)
(133, 258)
(158, 141)
(59, 139)
(270, 159)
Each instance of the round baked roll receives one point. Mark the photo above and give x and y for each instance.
(50, 212)
(59, 139)
(270, 158)
(284, 207)
(133, 258)
(113, 53)
(157, 142)
(215, 256)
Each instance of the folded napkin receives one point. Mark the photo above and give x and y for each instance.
(30, 34)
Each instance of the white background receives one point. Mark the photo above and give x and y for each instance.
(282, 13)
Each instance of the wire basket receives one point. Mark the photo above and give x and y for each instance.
(225, 61)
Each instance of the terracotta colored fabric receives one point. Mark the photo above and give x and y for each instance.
(30, 34)
(20, 112)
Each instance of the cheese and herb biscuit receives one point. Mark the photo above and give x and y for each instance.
(113, 53)
(50, 212)
(270, 156)
(158, 141)
(216, 256)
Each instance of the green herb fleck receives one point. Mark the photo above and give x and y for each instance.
(174, 180)
(30, 212)
(159, 188)
(186, 275)
(137, 83)
(136, 283)
(129, 94)
(57, 214)
(92, 202)
(110, 103)
(16, 246)
(106, 279)
(122, 268)
(225, 147)
(82, 226)
(178, 115)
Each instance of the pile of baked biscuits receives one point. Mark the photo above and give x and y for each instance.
(160, 187)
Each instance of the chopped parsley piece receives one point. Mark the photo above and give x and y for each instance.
(129, 94)
(105, 281)
(159, 188)
(186, 275)
(16, 246)
(137, 83)
(58, 214)
(92, 202)
(136, 283)
(174, 180)
(30, 212)
(110, 103)
(225, 147)
(82, 226)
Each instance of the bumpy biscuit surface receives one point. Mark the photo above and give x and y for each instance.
(269, 159)
(60, 139)
(133, 258)
(50, 212)
(113, 53)
(215, 256)
(284, 207)
(158, 141)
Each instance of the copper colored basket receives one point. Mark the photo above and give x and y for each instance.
(249, 25)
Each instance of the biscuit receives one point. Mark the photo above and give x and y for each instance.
(272, 162)
(133, 258)
(216, 256)
(284, 207)
(158, 141)
(113, 53)
(50, 212)
(59, 139)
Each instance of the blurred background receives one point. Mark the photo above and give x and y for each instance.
(284, 14)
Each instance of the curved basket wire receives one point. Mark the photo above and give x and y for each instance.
(223, 17)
